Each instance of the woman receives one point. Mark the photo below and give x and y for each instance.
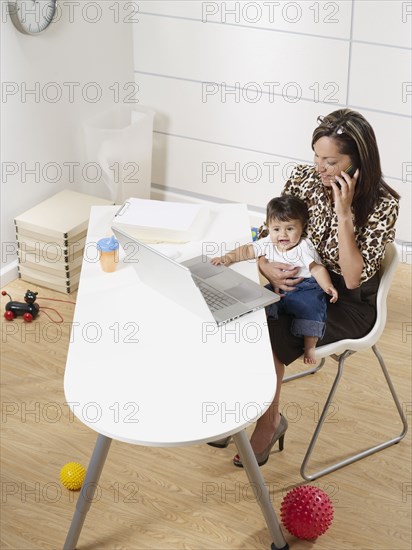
(351, 219)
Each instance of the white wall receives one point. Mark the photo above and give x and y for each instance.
(91, 45)
(237, 87)
(236, 94)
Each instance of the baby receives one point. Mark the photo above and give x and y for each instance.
(286, 218)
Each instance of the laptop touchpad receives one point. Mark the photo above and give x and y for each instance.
(204, 270)
(244, 292)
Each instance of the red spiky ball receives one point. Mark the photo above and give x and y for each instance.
(306, 512)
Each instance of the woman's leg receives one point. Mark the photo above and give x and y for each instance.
(269, 421)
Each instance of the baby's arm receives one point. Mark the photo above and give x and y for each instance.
(244, 252)
(320, 273)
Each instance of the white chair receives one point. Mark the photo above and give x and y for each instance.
(342, 349)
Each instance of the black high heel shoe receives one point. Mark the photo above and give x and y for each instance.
(263, 457)
(220, 443)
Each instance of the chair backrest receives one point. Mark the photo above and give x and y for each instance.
(386, 274)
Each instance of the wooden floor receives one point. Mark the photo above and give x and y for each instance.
(194, 498)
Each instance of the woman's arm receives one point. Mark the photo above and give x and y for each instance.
(350, 258)
(370, 241)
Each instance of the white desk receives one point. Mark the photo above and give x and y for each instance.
(144, 370)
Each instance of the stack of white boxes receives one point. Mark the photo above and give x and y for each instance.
(51, 238)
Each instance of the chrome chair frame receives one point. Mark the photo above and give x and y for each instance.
(340, 351)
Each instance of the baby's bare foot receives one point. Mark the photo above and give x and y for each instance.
(309, 356)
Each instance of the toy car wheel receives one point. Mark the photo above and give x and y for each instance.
(9, 315)
(28, 317)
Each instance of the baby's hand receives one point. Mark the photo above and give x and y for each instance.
(220, 260)
(332, 292)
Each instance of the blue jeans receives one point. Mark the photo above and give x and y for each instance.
(307, 304)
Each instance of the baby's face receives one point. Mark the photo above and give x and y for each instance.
(285, 235)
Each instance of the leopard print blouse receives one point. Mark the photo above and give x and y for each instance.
(322, 229)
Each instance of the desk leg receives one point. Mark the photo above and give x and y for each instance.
(87, 491)
(260, 490)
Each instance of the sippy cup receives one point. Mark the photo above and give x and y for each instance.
(109, 253)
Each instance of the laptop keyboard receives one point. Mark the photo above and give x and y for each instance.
(215, 300)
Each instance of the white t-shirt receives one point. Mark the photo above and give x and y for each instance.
(301, 255)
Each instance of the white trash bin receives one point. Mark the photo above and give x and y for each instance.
(120, 142)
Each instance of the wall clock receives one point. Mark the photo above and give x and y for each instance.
(32, 16)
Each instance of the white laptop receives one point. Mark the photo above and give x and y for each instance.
(212, 292)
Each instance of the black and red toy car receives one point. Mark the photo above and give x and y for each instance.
(28, 309)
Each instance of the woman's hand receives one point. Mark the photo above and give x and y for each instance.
(343, 196)
(280, 275)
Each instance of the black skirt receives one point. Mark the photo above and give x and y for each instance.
(352, 316)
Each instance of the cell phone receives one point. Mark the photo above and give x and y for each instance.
(350, 170)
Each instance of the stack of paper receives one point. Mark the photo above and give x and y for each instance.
(51, 238)
(162, 221)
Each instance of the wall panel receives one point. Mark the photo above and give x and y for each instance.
(262, 126)
(383, 22)
(318, 18)
(259, 62)
(381, 78)
(224, 172)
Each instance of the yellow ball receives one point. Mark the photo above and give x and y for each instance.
(72, 475)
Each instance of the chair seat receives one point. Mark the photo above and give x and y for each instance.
(337, 348)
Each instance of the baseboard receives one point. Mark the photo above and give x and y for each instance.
(9, 273)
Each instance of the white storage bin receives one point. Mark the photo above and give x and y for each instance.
(120, 141)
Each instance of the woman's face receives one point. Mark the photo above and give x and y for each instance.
(329, 162)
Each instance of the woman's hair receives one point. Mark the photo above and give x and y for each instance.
(287, 208)
(355, 137)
